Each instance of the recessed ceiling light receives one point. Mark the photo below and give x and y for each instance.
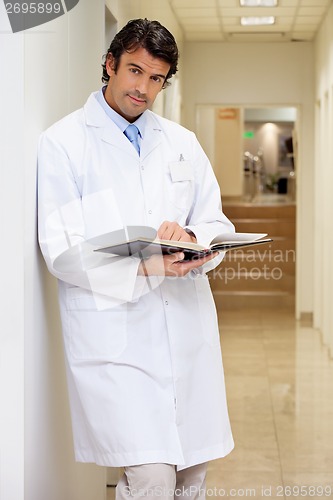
(257, 21)
(258, 3)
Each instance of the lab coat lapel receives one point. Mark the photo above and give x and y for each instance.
(109, 132)
(152, 135)
(114, 136)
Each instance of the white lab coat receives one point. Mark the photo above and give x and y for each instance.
(143, 357)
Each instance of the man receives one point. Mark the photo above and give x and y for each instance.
(141, 337)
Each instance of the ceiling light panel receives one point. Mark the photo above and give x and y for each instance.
(262, 11)
(257, 21)
(258, 3)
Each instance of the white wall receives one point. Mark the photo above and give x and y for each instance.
(323, 234)
(152, 9)
(11, 266)
(280, 74)
(46, 73)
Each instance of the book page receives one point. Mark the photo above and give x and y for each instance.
(237, 237)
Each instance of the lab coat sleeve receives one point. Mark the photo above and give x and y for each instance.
(206, 219)
(61, 229)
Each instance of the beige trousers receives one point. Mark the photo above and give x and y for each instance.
(162, 482)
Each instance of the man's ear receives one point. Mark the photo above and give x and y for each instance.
(110, 63)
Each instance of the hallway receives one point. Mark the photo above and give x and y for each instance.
(280, 392)
(279, 385)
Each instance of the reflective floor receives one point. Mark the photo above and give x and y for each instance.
(279, 381)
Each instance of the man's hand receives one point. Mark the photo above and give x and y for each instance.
(173, 231)
(172, 265)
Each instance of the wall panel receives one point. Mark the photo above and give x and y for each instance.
(323, 208)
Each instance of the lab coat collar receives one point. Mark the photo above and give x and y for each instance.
(95, 117)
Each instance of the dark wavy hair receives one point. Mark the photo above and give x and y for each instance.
(151, 36)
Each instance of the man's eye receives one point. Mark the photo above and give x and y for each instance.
(156, 79)
(135, 71)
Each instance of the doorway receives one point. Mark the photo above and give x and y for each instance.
(250, 140)
(253, 151)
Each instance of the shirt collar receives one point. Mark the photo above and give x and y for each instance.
(119, 120)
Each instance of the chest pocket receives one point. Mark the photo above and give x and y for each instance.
(181, 184)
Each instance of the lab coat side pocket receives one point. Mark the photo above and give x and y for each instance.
(207, 308)
(94, 335)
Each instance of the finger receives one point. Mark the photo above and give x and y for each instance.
(208, 257)
(170, 231)
(174, 257)
(185, 236)
(173, 265)
(175, 232)
(166, 230)
(162, 228)
(197, 262)
(178, 233)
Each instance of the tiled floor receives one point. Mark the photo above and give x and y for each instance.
(279, 381)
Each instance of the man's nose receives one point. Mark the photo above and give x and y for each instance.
(142, 85)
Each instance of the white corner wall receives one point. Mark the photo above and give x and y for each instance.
(270, 74)
(323, 234)
(46, 72)
(11, 265)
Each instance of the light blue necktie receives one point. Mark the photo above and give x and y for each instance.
(132, 134)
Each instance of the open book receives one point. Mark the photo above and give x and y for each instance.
(145, 247)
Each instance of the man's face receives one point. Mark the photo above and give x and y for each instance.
(138, 80)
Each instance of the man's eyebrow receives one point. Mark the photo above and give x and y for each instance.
(139, 67)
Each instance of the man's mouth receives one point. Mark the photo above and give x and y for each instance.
(137, 100)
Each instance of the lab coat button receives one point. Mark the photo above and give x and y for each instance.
(150, 212)
(166, 303)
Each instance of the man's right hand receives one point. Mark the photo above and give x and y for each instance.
(171, 265)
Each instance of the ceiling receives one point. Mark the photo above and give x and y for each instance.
(219, 20)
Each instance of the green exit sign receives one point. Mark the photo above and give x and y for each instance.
(248, 135)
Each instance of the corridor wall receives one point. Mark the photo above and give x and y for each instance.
(323, 208)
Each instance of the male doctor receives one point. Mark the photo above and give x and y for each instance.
(141, 338)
